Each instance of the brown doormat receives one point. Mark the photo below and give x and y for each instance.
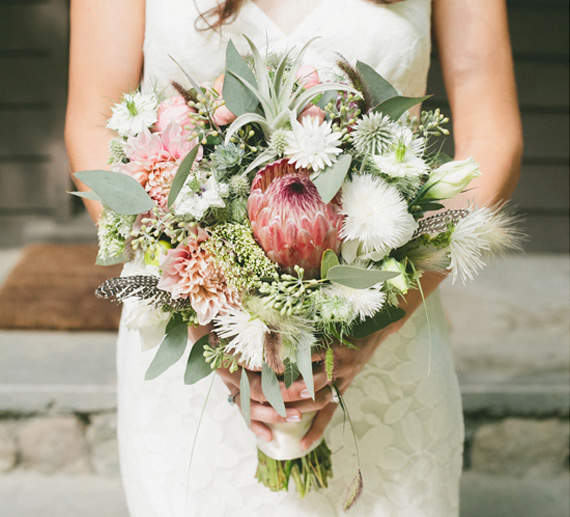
(53, 287)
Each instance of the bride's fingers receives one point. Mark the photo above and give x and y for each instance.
(261, 430)
(322, 398)
(266, 414)
(319, 425)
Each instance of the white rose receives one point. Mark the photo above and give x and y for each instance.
(451, 178)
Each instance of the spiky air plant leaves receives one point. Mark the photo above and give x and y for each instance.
(140, 287)
(440, 222)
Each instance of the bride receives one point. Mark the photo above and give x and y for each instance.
(408, 418)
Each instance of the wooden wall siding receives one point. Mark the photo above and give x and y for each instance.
(33, 67)
(33, 62)
(539, 34)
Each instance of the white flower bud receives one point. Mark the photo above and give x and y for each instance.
(451, 178)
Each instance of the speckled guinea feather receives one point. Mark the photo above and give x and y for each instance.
(140, 287)
(439, 223)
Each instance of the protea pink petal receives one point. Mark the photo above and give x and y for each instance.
(289, 219)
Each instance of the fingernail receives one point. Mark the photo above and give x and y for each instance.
(293, 418)
(305, 394)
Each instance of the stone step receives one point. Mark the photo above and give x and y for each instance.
(33, 495)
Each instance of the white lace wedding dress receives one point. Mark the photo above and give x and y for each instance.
(407, 415)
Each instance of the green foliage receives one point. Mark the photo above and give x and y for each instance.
(119, 192)
(181, 175)
(291, 373)
(197, 367)
(245, 396)
(239, 98)
(305, 365)
(171, 348)
(379, 321)
(329, 260)
(329, 181)
(271, 389)
(357, 277)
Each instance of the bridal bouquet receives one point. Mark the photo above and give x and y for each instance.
(287, 210)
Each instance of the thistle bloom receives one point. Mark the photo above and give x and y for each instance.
(134, 114)
(365, 302)
(289, 219)
(188, 272)
(312, 145)
(377, 217)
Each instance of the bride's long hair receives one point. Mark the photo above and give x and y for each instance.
(225, 12)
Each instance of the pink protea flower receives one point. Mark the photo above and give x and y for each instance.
(289, 219)
(174, 110)
(154, 159)
(188, 272)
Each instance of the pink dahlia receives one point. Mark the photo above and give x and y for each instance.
(188, 272)
(289, 219)
(154, 159)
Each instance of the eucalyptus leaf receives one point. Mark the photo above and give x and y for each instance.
(357, 277)
(88, 194)
(377, 86)
(291, 373)
(329, 181)
(245, 396)
(326, 97)
(395, 107)
(379, 321)
(197, 368)
(181, 174)
(119, 192)
(329, 260)
(271, 389)
(305, 365)
(239, 99)
(171, 348)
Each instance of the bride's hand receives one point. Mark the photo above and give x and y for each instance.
(297, 398)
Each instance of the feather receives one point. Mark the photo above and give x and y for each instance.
(140, 287)
(440, 222)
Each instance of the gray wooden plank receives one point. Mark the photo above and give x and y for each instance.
(24, 80)
(546, 135)
(539, 31)
(24, 186)
(547, 233)
(540, 84)
(30, 131)
(543, 187)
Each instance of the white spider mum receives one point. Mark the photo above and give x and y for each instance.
(136, 112)
(248, 333)
(485, 231)
(467, 245)
(312, 145)
(376, 215)
(365, 302)
(404, 158)
(373, 134)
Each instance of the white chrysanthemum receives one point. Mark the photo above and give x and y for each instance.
(467, 245)
(365, 302)
(404, 159)
(373, 134)
(136, 112)
(312, 145)
(196, 197)
(376, 214)
(248, 333)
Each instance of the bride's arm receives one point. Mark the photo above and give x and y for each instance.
(473, 44)
(106, 59)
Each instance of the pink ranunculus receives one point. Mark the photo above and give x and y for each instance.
(307, 76)
(313, 111)
(174, 110)
(188, 272)
(222, 116)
